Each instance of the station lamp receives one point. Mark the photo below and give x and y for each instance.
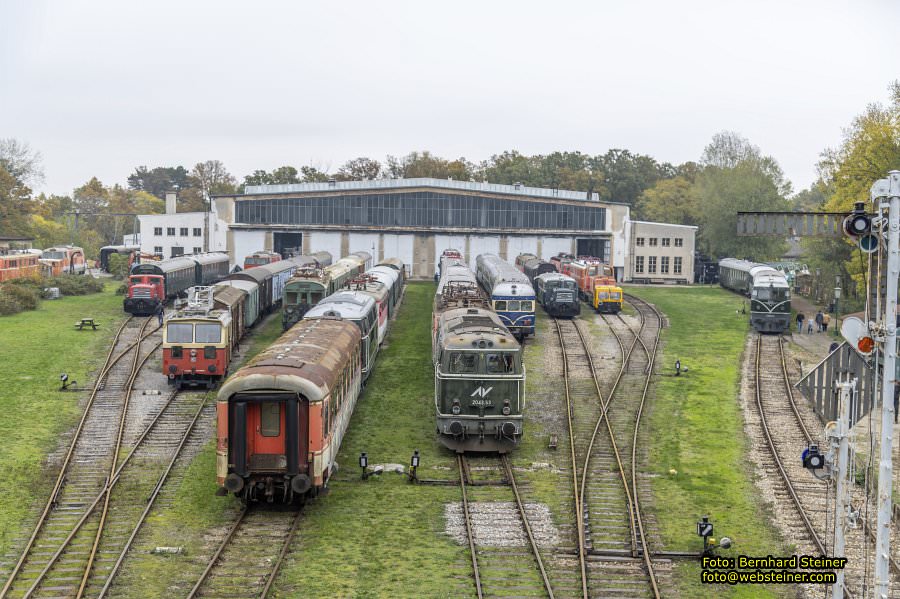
(364, 464)
(414, 466)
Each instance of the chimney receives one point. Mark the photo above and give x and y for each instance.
(170, 202)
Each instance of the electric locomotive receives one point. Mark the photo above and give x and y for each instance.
(558, 294)
(198, 340)
(511, 293)
(479, 382)
(767, 288)
(282, 417)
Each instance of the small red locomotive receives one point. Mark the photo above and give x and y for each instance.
(282, 417)
(261, 257)
(589, 273)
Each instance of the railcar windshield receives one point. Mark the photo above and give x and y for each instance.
(463, 362)
(500, 363)
(616, 295)
(255, 261)
(208, 332)
(602, 295)
(500, 305)
(180, 332)
(771, 294)
(54, 255)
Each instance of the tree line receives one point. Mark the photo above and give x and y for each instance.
(730, 175)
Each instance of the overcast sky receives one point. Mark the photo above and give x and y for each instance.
(101, 87)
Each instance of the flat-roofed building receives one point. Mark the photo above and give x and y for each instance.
(656, 252)
(416, 219)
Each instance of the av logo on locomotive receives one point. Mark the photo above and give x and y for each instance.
(481, 392)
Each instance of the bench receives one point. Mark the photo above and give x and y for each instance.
(86, 322)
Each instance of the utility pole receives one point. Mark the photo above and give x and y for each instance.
(887, 189)
(206, 231)
(840, 446)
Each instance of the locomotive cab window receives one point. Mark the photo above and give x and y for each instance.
(463, 363)
(513, 305)
(208, 333)
(526, 306)
(500, 363)
(270, 419)
(179, 332)
(500, 305)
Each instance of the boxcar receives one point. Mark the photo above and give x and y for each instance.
(479, 382)
(522, 258)
(282, 417)
(232, 300)
(511, 293)
(251, 305)
(281, 273)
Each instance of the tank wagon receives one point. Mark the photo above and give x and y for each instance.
(479, 382)
(360, 309)
(558, 294)
(261, 257)
(63, 260)
(282, 417)
(511, 293)
(767, 288)
(151, 284)
(312, 283)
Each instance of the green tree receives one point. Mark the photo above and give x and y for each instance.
(312, 174)
(16, 205)
(359, 169)
(625, 176)
(669, 201)
(426, 164)
(212, 178)
(159, 180)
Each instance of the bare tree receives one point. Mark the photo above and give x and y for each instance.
(21, 161)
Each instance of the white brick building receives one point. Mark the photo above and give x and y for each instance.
(174, 234)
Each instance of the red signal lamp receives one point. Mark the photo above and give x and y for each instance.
(865, 345)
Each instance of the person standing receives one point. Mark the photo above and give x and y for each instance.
(159, 314)
(809, 326)
(819, 316)
(800, 318)
(826, 318)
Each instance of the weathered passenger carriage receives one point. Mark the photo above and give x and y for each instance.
(391, 279)
(767, 288)
(510, 291)
(558, 294)
(19, 264)
(251, 304)
(360, 309)
(479, 382)
(378, 291)
(310, 284)
(282, 417)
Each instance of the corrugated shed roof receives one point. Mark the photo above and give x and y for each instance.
(388, 184)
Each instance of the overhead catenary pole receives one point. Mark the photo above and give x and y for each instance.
(887, 188)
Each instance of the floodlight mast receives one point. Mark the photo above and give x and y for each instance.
(889, 189)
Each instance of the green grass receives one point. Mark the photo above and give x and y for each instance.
(696, 426)
(35, 347)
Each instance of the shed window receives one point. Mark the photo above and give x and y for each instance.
(270, 419)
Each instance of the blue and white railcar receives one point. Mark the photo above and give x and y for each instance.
(512, 295)
(767, 288)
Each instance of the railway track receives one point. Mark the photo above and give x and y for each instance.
(84, 470)
(497, 562)
(613, 551)
(248, 559)
(786, 432)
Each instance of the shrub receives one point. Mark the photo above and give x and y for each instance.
(26, 297)
(75, 284)
(8, 304)
(118, 266)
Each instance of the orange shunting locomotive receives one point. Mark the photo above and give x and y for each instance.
(282, 417)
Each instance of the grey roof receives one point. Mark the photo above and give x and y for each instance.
(384, 184)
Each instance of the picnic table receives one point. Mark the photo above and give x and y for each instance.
(87, 322)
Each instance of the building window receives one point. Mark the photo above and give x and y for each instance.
(157, 249)
(170, 231)
(198, 232)
(679, 242)
(639, 242)
(639, 264)
(198, 250)
(157, 231)
(184, 231)
(653, 242)
(651, 263)
(664, 265)
(177, 251)
(677, 264)
(665, 242)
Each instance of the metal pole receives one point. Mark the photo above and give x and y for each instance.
(841, 438)
(887, 187)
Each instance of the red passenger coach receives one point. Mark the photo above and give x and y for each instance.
(282, 417)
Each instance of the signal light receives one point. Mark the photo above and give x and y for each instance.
(858, 226)
(865, 345)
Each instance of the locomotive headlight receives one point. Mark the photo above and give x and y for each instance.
(455, 407)
(193, 353)
(506, 407)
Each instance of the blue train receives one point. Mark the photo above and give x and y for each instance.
(511, 293)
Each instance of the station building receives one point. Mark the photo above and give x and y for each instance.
(416, 219)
